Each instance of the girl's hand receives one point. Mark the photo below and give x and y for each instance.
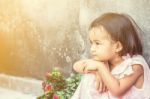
(81, 66)
(90, 65)
(100, 86)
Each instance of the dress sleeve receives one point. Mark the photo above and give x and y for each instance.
(128, 71)
(134, 60)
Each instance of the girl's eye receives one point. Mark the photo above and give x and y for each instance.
(97, 43)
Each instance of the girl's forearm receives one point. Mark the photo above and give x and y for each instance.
(111, 82)
(80, 67)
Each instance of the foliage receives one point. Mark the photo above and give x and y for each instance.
(56, 86)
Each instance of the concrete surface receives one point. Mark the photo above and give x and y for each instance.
(12, 87)
(11, 94)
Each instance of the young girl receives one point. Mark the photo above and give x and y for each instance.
(116, 61)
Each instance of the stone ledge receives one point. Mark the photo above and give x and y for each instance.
(21, 84)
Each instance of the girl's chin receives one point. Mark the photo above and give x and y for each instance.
(98, 59)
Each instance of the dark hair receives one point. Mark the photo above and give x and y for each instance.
(121, 28)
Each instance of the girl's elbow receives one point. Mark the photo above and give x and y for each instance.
(78, 67)
(75, 67)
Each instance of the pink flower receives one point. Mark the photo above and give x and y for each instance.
(47, 75)
(55, 96)
(48, 87)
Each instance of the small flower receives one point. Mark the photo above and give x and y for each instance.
(47, 75)
(48, 87)
(55, 96)
(56, 86)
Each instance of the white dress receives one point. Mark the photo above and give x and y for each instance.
(87, 90)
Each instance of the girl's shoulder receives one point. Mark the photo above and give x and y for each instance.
(139, 59)
(135, 59)
(125, 68)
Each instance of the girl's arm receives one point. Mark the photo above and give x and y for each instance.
(80, 66)
(100, 86)
(116, 86)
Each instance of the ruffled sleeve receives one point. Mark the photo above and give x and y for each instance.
(125, 68)
(128, 71)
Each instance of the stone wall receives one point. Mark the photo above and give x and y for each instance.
(38, 35)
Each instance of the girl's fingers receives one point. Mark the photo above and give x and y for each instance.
(97, 81)
(100, 87)
(104, 88)
(97, 85)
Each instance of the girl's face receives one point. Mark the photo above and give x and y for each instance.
(103, 48)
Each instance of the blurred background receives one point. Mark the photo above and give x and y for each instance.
(38, 35)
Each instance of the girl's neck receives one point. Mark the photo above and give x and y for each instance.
(114, 62)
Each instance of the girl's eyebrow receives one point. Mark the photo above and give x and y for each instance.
(94, 41)
(97, 40)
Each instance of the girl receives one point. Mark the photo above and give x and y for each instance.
(116, 61)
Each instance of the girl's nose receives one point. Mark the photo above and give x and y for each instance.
(92, 49)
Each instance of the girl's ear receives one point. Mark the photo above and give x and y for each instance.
(118, 46)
